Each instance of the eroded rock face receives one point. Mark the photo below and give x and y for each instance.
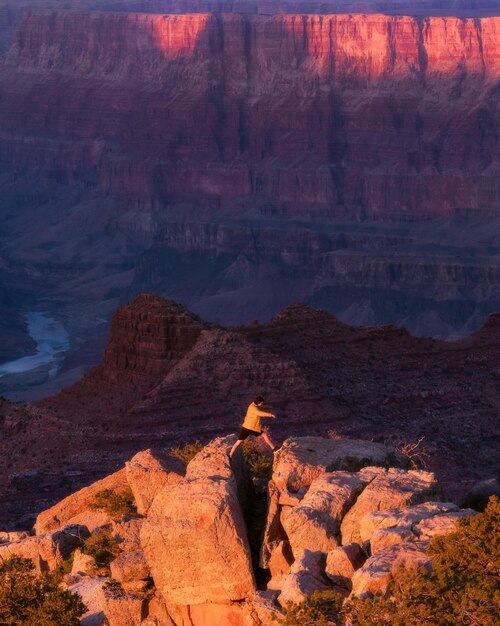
(195, 541)
(76, 507)
(302, 459)
(402, 517)
(374, 576)
(305, 577)
(342, 562)
(394, 488)
(441, 524)
(122, 608)
(147, 473)
(49, 550)
(315, 523)
(130, 566)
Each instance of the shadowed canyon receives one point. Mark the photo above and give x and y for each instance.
(239, 161)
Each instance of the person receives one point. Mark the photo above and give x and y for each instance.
(252, 425)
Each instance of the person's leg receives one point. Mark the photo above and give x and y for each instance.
(268, 440)
(235, 447)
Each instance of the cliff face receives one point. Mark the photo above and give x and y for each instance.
(331, 115)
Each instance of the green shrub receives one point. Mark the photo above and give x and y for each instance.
(322, 608)
(115, 504)
(259, 465)
(188, 451)
(102, 546)
(26, 600)
(463, 589)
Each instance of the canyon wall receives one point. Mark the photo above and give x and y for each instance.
(345, 116)
(237, 162)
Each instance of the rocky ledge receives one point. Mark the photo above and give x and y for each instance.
(342, 515)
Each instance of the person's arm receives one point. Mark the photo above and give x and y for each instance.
(265, 414)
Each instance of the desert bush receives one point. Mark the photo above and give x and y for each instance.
(463, 588)
(103, 547)
(322, 608)
(415, 451)
(188, 451)
(260, 466)
(26, 600)
(115, 504)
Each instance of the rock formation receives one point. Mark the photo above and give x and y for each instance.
(192, 566)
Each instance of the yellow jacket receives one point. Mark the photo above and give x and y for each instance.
(252, 418)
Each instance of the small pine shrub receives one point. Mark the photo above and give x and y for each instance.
(462, 590)
(188, 451)
(259, 465)
(322, 608)
(103, 547)
(115, 504)
(26, 600)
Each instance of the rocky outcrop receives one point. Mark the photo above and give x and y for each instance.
(147, 474)
(195, 528)
(49, 550)
(301, 460)
(76, 508)
(388, 490)
(146, 338)
(194, 566)
(314, 524)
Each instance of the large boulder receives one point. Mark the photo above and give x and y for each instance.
(390, 489)
(479, 494)
(83, 564)
(76, 508)
(441, 524)
(305, 577)
(195, 541)
(315, 523)
(402, 517)
(147, 473)
(342, 562)
(122, 608)
(127, 532)
(130, 566)
(90, 591)
(375, 575)
(302, 459)
(46, 551)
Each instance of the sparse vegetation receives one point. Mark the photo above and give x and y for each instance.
(322, 608)
(188, 451)
(415, 451)
(103, 547)
(463, 589)
(116, 505)
(260, 466)
(26, 600)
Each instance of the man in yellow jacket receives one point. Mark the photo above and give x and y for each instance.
(252, 425)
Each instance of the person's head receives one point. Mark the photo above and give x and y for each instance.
(259, 400)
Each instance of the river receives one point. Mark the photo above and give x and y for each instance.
(52, 342)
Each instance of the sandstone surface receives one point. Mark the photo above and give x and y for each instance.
(342, 562)
(195, 542)
(147, 474)
(403, 517)
(303, 459)
(315, 523)
(78, 506)
(130, 566)
(49, 550)
(374, 576)
(304, 578)
(391, 489)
